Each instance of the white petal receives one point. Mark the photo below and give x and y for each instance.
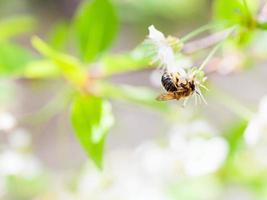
(154, 34)
(205, 156)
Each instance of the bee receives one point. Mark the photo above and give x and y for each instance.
(176, 86)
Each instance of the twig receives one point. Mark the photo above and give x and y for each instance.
(213, 51)
(197, 32)
(206, 42)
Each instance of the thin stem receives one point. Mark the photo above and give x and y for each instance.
(214, 50)
(197, 32)
(210, 55)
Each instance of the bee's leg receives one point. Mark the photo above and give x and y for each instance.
(197, 97)
(165, 97)
(185, 101)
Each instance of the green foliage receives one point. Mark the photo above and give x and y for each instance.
(95, 26)
(235, 133)
(15, 26)
(59, 35)
(41, 69)
(13, 59)
(69, 66)
(26, 188)
(230, 10)
(234, 12)
(92, 118)
(196, 188)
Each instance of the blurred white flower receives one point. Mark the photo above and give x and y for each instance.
(13, 163)
(19, 139)
(150, 170)
(164, 52)
(197, 128)
(160, 164)
(204, 156)
(255, 137)
(199, 150)
(122, 179)
(256, 132)
(7, 121)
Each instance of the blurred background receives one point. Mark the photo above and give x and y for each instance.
(159, 151)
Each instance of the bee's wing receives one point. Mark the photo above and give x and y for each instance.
(165, 97)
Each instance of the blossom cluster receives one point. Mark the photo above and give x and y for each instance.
(168, 57)
(191, 151)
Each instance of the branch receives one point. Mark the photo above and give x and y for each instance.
(206, 42)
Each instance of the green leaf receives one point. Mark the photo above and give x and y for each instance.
(41, 69)
(92, 118)
(20, 187)
(15, 26)
(138, 95)
(13, 59)
(234, 134)
(235, 11)
(59, 34)
(69, 66)
(96, 26)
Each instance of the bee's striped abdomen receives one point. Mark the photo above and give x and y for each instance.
(167, 82)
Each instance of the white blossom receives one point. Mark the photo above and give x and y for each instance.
(147, 172)
(122, 179)
(255, 137)
(204, 156)
(257, 128)
(199, 149)
(160, 164)
(21, 164)
(164, 52)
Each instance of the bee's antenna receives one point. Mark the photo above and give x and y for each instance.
(185, 102)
